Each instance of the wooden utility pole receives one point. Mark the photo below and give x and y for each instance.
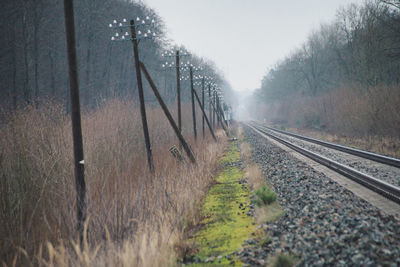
(202, 103)
(209, 102)
(217, 101)
(193, 106)
(168, 114)
(204, 114)
(221, 110)
(222, 124)
(214, 99)
(75, 117)
(178, 88)
(222, 119)
(141, 97)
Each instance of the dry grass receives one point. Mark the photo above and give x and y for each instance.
(135, 217)
(256, 180)
(252, 171)
(245, 151)
(268, 213)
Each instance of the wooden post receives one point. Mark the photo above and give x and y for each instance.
(168, 114)
(193, 106)
(202, 103)
(209, 102)
(204, 115)
(178, 88)
(75, 117)
(223, 120)
(214, 104)
(223, 115)
(141, 97)
(221, 112)
(218, 117)
(217, 114)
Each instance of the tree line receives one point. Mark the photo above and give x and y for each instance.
(33, 65)
(355, 56)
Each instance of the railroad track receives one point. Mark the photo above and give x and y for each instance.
(386, 189)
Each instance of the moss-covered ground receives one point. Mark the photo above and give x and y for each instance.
(226, 225)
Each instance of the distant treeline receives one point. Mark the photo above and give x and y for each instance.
(344, 78)
(33, 63)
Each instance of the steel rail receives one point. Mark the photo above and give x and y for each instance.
(357, 152)
(387, 190)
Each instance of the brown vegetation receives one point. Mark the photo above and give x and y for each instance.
(134, 218)
(343, 80)
(366, 119)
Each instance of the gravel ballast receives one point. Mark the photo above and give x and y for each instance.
(378, 170)
(323, 224)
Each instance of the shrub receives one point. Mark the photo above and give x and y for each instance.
(264, 196)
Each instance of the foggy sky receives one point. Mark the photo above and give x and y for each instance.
(244, 37)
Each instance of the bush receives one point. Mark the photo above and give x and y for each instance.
(264, 196)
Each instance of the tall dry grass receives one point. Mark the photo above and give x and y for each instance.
(134, 218)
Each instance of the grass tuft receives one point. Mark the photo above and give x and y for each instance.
(264, 196)
(284, 260)
(265, 241)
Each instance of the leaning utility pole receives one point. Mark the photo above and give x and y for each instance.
(76, 118)
(168, 115)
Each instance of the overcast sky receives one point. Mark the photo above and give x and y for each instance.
(244, 37)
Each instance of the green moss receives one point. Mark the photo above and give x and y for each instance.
(226, 223)
(232, 155)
